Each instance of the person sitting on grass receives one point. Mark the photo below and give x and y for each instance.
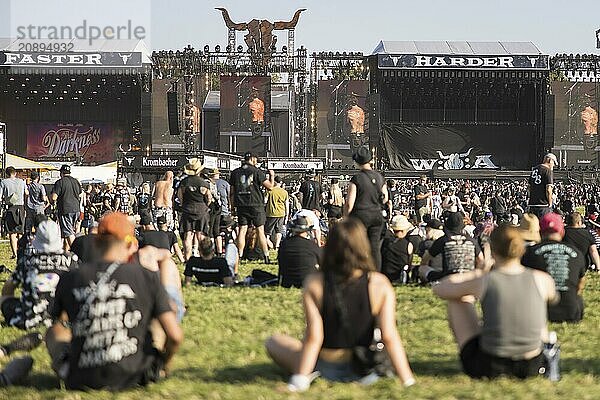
(508, 340)
(298, 255)
(397, 251)
(347, 279)
(207, 268)
(37, 274)
(102, 336)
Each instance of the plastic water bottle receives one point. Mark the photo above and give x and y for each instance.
(552, 355)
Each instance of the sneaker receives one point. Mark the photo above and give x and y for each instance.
(24, 343)
(16, 370)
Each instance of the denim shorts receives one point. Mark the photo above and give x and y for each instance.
(343, 372)
(175, 295)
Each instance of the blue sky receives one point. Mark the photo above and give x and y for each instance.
(338, 25)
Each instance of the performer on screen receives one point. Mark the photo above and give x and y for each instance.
(589, 118)
(257, 108)
(356, 116)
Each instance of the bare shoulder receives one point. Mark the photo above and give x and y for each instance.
(313, 283)
(379, 284)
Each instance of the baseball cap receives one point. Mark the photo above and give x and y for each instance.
(118, 225)
(455, 222)
(65, 169)
(552, 223)
(552, 157)
(434, 224)
(248, 155)
(47, 237)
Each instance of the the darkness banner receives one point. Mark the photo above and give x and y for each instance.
(70, 59)
(576, 106)
(245, 104)
(342, 111)
(537, 62)
(437, 147)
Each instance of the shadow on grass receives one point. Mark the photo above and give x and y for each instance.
(445, 367)
(585, 366)
(243, 374)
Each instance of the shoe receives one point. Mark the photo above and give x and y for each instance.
(16, 370)
(236, 278)
(24, 343)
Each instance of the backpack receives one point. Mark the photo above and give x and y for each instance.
(459, 254)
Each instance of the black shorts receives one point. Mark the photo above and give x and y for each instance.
(15, 219)
(479, 364)
(194, 223)
(9, 309)
(274, 225)
(251, 216)
(215, 224)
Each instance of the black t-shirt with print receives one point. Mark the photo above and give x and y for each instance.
(38, 274)
(311, 195)
(297, 258)
(580, 238)
(395, 257)
(368, 191)
(68, 190)
(158, 239)
(420, 189)
(110, 308)
(459, 252)
(246, 182)
(566, 265)
(144, 201)
(207, 271)
(540, 177)
(85, 248)
(193, 201)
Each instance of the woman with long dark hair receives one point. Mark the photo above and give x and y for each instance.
(343, 303)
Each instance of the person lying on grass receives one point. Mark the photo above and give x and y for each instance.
(347, 279)
(513, 300)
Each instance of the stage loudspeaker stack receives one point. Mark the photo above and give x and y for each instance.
(549, 123)
(173, 113)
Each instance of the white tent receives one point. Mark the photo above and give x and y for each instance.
(105, 173)
(23, 163)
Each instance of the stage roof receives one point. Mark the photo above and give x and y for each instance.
(100, 45)
(456, 47)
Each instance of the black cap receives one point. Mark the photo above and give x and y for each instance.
(65, 169)
(248, 155)
(454, 222)
(434, 224)
(300, 224)
(362, 155)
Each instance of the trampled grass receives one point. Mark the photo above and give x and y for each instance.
(223, 355)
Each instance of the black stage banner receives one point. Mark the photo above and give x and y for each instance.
(160, 162)
(70, 59)
(533, 62)
(435, 147)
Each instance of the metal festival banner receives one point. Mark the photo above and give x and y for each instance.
(93, 142)
(295, 164)
(529, 62)
(71, 59)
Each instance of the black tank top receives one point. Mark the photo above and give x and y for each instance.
(355, 297)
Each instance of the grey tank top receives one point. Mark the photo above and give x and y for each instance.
(514, 314)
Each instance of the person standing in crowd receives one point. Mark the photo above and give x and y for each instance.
(37, 200)
(452, 203)
(541, 186)
(422, 196)
(247, 198)
(66, 193)
(215, 207)
(298, 255)
(336, 201)
(343, 304)
(88, 353)
(397, 251)
(122, 203)
(208, 268)
(277, 212)
(565, 264)
(498, 206)
(509, 338)
(460, 253)
(367, 195)
(223, 192)
(577, 235)
(310, 192)
(144, 206)
(13, 192)
(37, 274)
(395, 198)
(195, 196)
(108, 197)
(163, 199)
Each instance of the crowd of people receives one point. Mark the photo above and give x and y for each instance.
(96, 266)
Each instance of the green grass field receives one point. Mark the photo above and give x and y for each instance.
(223, 355)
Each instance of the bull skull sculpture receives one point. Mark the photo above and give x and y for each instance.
(260, 38)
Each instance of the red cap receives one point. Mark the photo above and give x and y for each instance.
(118, 225)
(552, 223)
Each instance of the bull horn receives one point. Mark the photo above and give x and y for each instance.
(280, 25)
(229, 23)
